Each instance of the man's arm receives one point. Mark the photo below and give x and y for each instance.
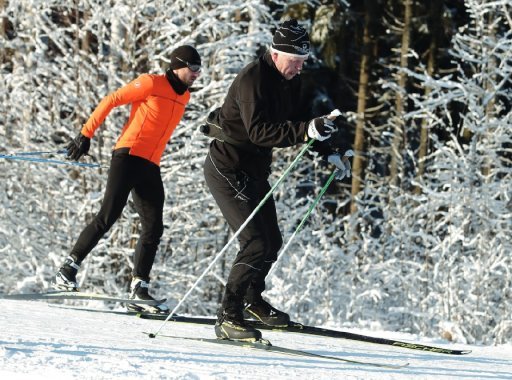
(260, 127)
(134, 91)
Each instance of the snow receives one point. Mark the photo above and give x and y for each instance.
(40, 341)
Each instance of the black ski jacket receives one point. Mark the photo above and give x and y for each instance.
(258, 112)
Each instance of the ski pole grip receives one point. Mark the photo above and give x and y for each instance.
(212, 130)
(205, 129)
(334, 114)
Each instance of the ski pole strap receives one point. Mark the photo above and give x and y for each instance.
(26, 157)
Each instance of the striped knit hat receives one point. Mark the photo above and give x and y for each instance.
(291, 39)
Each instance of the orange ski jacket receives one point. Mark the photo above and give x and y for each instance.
(156, 111)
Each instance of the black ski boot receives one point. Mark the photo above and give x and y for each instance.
(266, 313)
(232, 326)
(139, 291)
(65, 279)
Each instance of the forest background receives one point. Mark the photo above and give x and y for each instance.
(417, 240)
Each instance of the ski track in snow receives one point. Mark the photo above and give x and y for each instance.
(38, 341)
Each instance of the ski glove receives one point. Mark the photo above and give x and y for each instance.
(78, 147)
(320, 128)
(342, 164)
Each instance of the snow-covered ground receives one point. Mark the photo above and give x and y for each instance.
(39, 341)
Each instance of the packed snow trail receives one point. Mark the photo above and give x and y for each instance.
(38, 341)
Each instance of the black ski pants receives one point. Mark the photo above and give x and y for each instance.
(142, 178)
(237, 195)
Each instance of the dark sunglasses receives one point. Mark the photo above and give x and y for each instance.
(192, 66)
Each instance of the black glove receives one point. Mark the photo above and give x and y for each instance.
(78, 147)
(320, 128)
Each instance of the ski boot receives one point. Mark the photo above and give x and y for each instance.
(232, 326)
(266, 313)
(139, 291)
(65, 279)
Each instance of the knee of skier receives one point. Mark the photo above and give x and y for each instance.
(255, 247)
(103, 224)
(265, 249)
(152, 234)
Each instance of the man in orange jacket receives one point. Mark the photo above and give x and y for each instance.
(157, 106)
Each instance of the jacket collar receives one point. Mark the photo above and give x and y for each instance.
(267, 58)
(175, 82)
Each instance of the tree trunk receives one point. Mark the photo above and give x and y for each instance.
(399, 136)
(3, 29)
(79, 118)
(3, 22)
(435, 16)
(490, 87)
(364, 77)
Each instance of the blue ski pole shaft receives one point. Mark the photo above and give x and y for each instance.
(235, 235)
(47, 160)
(38, 153)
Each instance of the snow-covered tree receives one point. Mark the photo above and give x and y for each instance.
(448, 246)
(65, 58)
(432, 255)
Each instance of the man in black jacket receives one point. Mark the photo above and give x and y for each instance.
(257, 116)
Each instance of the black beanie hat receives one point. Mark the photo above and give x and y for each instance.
(291, 39)
(183, 56)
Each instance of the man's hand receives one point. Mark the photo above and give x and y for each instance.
(78, 147)
(320, 128)
(342, 163)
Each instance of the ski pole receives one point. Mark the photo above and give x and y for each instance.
(301, 224)
(38, 153)
(47, 160)
(348, 153)
(235, 235)
(335, 113)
